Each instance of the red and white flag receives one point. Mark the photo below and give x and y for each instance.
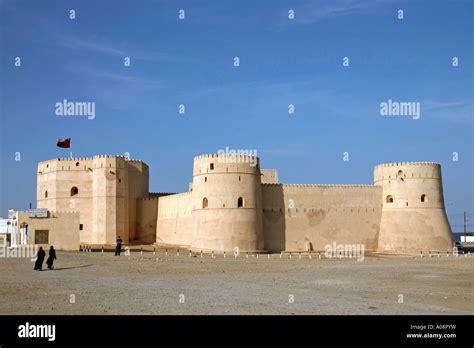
(64, 143)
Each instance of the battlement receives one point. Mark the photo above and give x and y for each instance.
(319, 185)
(397, 164)
(75, 159)
(176, 195)
(156, 195)
(159, 194)
(52, 212)
(225, 155)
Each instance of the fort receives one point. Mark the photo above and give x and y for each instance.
(233, 203)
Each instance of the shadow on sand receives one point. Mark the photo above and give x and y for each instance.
(63, 268)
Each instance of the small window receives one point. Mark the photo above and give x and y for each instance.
(81, 227)
(46, 194)
(205, 179)
(239, 177)
(47, 166)
(212, 166)
(120, 180)
(389, 199)
(400, 175)
(205, 203)
(77, 164)
(41, 236)
(240, 202)
(423, 198)
(74, 191)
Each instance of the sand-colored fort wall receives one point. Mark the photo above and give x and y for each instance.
(296, 217)
(226, 203)
(62, 227)
(269, 176)
(138, 178)
(146, 216)
(414, 216)
(108, 188)
(174, 223)
(232, 203)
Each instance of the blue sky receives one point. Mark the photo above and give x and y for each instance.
(282, 62)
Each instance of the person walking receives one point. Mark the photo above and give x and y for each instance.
(39, 259)
(51, 258)
(118, 248)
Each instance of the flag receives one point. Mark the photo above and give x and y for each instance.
(64, 143)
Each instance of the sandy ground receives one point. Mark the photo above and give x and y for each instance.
(98, 283)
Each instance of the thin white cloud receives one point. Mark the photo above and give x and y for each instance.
(320, 10)
(458, 110)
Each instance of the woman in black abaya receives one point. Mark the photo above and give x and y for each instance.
(39, 259)
(51, 258)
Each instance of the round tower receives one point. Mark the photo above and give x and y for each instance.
(227, 203)
(413, 213)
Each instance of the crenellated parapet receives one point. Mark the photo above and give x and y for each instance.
(318, 185)
(391, 171)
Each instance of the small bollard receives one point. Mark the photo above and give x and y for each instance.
(300, 255)
(141, 251)
(290, 255)
(421, 254)
(177, 252)
(257, 256)
(247, 256)
(212, 254)
(430, 253)
(90, 249)
(319, 254)
(201, 253)
(166, 252)
(224, 254)
(438, 254)
(281, 253)
(447, 253)
(154, 250)
(102, 249)
(190, 253)
(268, 256)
